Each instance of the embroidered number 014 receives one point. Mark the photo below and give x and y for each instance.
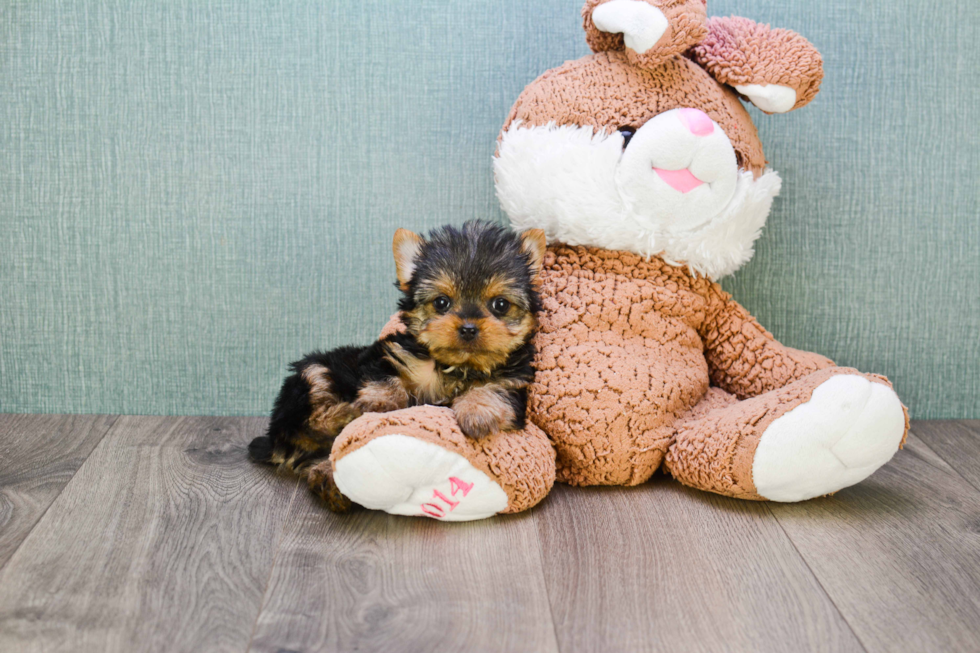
(456, 486)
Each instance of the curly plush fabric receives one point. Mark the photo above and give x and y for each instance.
(744, 358)
(521, 462)
(627, 347)
(715, 444)
(599, 100)
(618, 358)
(741, 51)
(686, 26)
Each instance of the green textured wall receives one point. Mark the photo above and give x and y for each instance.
(193, 194)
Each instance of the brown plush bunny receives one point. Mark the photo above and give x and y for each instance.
(647, 175)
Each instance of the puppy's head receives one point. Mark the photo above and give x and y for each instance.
(469, 293)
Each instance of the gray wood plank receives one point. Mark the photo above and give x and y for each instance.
(368, 581)
(38, 456)
(661, 567)
(163, 541)
(955, 441)
(899, 553)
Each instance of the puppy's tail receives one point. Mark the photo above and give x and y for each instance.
(261, 450)
(287, 458)
(290, 443)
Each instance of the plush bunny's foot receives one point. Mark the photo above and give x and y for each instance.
(849, 428)
(815, 436)
(406, 476)
(417, 462)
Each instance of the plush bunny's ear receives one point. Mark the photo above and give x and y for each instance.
(406, 247)
(534, 243)
(640, 23)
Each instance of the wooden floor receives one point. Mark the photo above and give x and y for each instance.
(155, 534)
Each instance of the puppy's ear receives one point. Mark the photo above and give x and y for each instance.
(406, 247)
(534, 243)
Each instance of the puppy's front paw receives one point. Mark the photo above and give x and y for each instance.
(321, 483)
(483, 411)
(476, 425)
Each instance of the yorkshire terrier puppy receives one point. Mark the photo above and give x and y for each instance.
(468, 307)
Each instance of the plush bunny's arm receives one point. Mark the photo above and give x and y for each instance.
(394, 325)
(745, 359)
(776, 69)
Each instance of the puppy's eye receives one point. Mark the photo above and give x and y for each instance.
(441, 303)
(499, 305)
(627, 133)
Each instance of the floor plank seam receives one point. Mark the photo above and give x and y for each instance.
(937, 454)
(823, 589)
(272, 567)
(112, 421)
(544, 581)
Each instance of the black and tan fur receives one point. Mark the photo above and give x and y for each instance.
(468, 306)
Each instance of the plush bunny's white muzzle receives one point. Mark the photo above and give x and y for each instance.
(674, 190)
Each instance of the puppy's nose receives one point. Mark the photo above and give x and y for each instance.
(468, 331)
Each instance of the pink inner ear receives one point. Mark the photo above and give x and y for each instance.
(697, 121)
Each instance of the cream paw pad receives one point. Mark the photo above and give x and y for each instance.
(402, 475)
(847, 430)
(417, 462)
